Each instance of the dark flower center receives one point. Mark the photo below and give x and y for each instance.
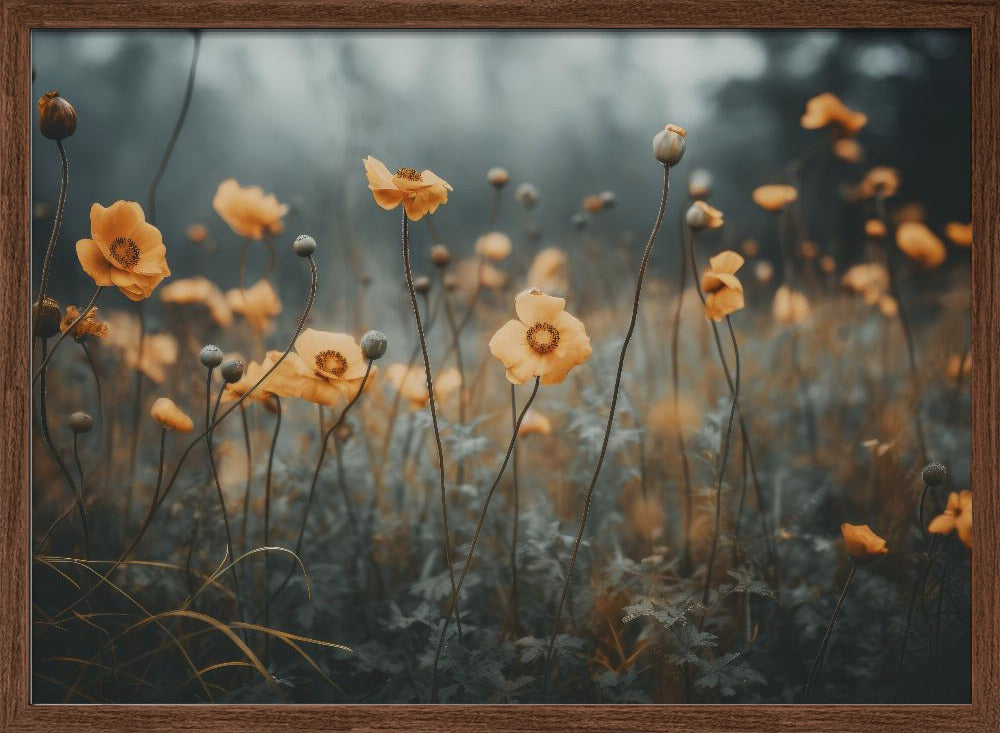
(543, 338)
(409, 174)
(125, 252)
(331, 362)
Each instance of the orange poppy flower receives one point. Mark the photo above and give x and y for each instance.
(593, 204)
(334, 358)
(920, 243)
(958, 233)
(545, 341)
(494, 246)
(869, 279)
(251, 375)
(826, 109)
(702, 216)
(197, 233)
(248, 210)
(548, 271)
(763, 271)
(750, 248)
(411, 383)
(789, 306)
(875, 228)
(880, 179)
(957, 516)
(88, 326)
(862, 544)
(170, 416)
(957, 366)
(535, 423)
(199, 291)
(725, 291)
(124, 251)
(420, 193)
(888, 306)
(848, 150)
(259, 304)
(827, 264)
(774, 197)
(159, 350)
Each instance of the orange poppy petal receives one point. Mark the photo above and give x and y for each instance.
(93, 262)
(533, 306)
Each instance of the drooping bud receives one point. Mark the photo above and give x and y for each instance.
(56, 116)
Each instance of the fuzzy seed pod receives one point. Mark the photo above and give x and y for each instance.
(669, 145)
(374, 344)
(47, 318)
(232, 370)
(56, 116)
(81, 422)
(210, 356)
(934, 474)
(304, 245)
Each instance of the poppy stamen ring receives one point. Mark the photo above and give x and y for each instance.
(543, 337)
(331, 362)
(409, 174)
(125, 252)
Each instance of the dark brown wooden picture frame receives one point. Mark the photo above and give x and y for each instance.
(19, 17)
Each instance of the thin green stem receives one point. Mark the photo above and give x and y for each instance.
(824, 644)
(56, 225)
(675, 376)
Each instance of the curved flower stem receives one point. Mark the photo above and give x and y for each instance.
(47, 437)
(432, 402)
(312, 486)
(611, 418)
(47, 357)
(103, 434)
(154, 506)
(463, 395)
(918, 586)
(154, 184)
(453, 603)
(675, 375)
(904, 321)
(267, 518)
(516, 491)
(721, 470)
(136, 420)
(222, 500)
(818, 661)
(249, 483)
(56, 226)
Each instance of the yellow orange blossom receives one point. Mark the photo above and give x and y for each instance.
(875, 228)
(920, 244)
(862, 544)
(848, 150)
(258, 304)
(879, 180)
(789, 306)
(159, 350)
(723, 288)
(549, 272)
(494, 246)
(544, 341)
(774, 197)
(170, 416)
(411, 383)
(248, 210)
(957, 517)
(335, 358)
(958, 233)
(827, 109)
(199, 291)
(124, 250)
(420, 192)
(535, 423)
(88, 326)
(957, 366)
(870, 279)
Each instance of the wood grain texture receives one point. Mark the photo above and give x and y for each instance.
(18, 17)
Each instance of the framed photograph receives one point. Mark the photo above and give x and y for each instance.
(499, 366)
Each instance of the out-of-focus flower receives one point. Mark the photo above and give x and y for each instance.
(333, 357)
(89, 325)
(544, 341)
(827, 264)
(870, 280)
(957, 516)
(535, 423)
(251, 375)
(494, 246)
(958, 233)
(920, 244)
(888, 306)
(848, 150)
(593, 204)
(826, 110)
(789, 306)
(723, 288)
(258, 304)
(879, 180)
(910, 211)
(197, 233)
(862, 544)
(56, 116)
(497, 177)
(527, 194)
(470, 274)
(420, 192)
(809, 249)
(700, 184)
(124, 251)
(877, 447)
(750, 248)
(548, 271)
(763, 271)
(774, 197)
(957, 366)
(411, 383)
(199, 290)
(159, 350)
(875, 228)
(702, 216)
(248, 210)
(170, 416)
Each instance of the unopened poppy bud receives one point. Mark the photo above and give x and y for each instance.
(578, 220)
(702, 216)
(374, 344)
(56, 116)
(304, 245)
(700, 184)
(81, 422)
(210, 356)
(47, 318)
(527, 194)
(232, 370)
(669, 145)
(498, 177)
(422, 284)
(440, 255)
(934, 474)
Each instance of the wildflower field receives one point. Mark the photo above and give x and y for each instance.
(630, 449)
